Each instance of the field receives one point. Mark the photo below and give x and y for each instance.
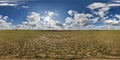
(63, 45)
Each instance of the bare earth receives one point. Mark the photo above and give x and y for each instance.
(59, 45)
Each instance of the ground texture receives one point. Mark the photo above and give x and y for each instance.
(63, 45)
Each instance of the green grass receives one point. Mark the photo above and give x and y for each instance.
(60, 44)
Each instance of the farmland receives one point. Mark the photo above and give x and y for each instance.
(60, 44)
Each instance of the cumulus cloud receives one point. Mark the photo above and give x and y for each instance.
(31, 22)
(94, 27)
(95, 20)
(36, 21)
(87, 21)
(112, 22)
(4, 24)
(69, 20)
(71, 12)
(50, 22)
(101, 27)
(77, 20)
(101, 8)
(117, 16)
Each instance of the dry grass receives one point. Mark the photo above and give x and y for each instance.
(60, 44)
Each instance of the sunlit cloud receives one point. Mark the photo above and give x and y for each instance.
(98, 18)
(12, 2)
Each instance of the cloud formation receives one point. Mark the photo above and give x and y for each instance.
(25, 7)
(112, 22)
(77, 20)
(13, 2)
(96, 20)
(35, 21)
(101, 10)
(4, 24)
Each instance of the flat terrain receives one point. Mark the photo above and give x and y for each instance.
(60, 45)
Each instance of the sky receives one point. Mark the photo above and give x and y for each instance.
(60, 14)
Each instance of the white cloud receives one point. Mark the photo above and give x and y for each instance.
(51, 13)
(99, 15)
(112, 22)
(36, 21)
(25, 7)
(95, 20)
(97, 5)
(69, 20)
(5, 17)
(103, 6)
(71, 12)
(13, 3)
(117, 1)
(102, 27)
(117, 16)
(92, 27)
(77, 20)
(14, 0)
(4, 24)
(111, 5)
(32, 21)
(109, 27)
(102, 9)
(8, 4)
(50, 22)
(33, 18)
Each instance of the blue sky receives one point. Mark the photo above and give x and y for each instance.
(60, 14)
